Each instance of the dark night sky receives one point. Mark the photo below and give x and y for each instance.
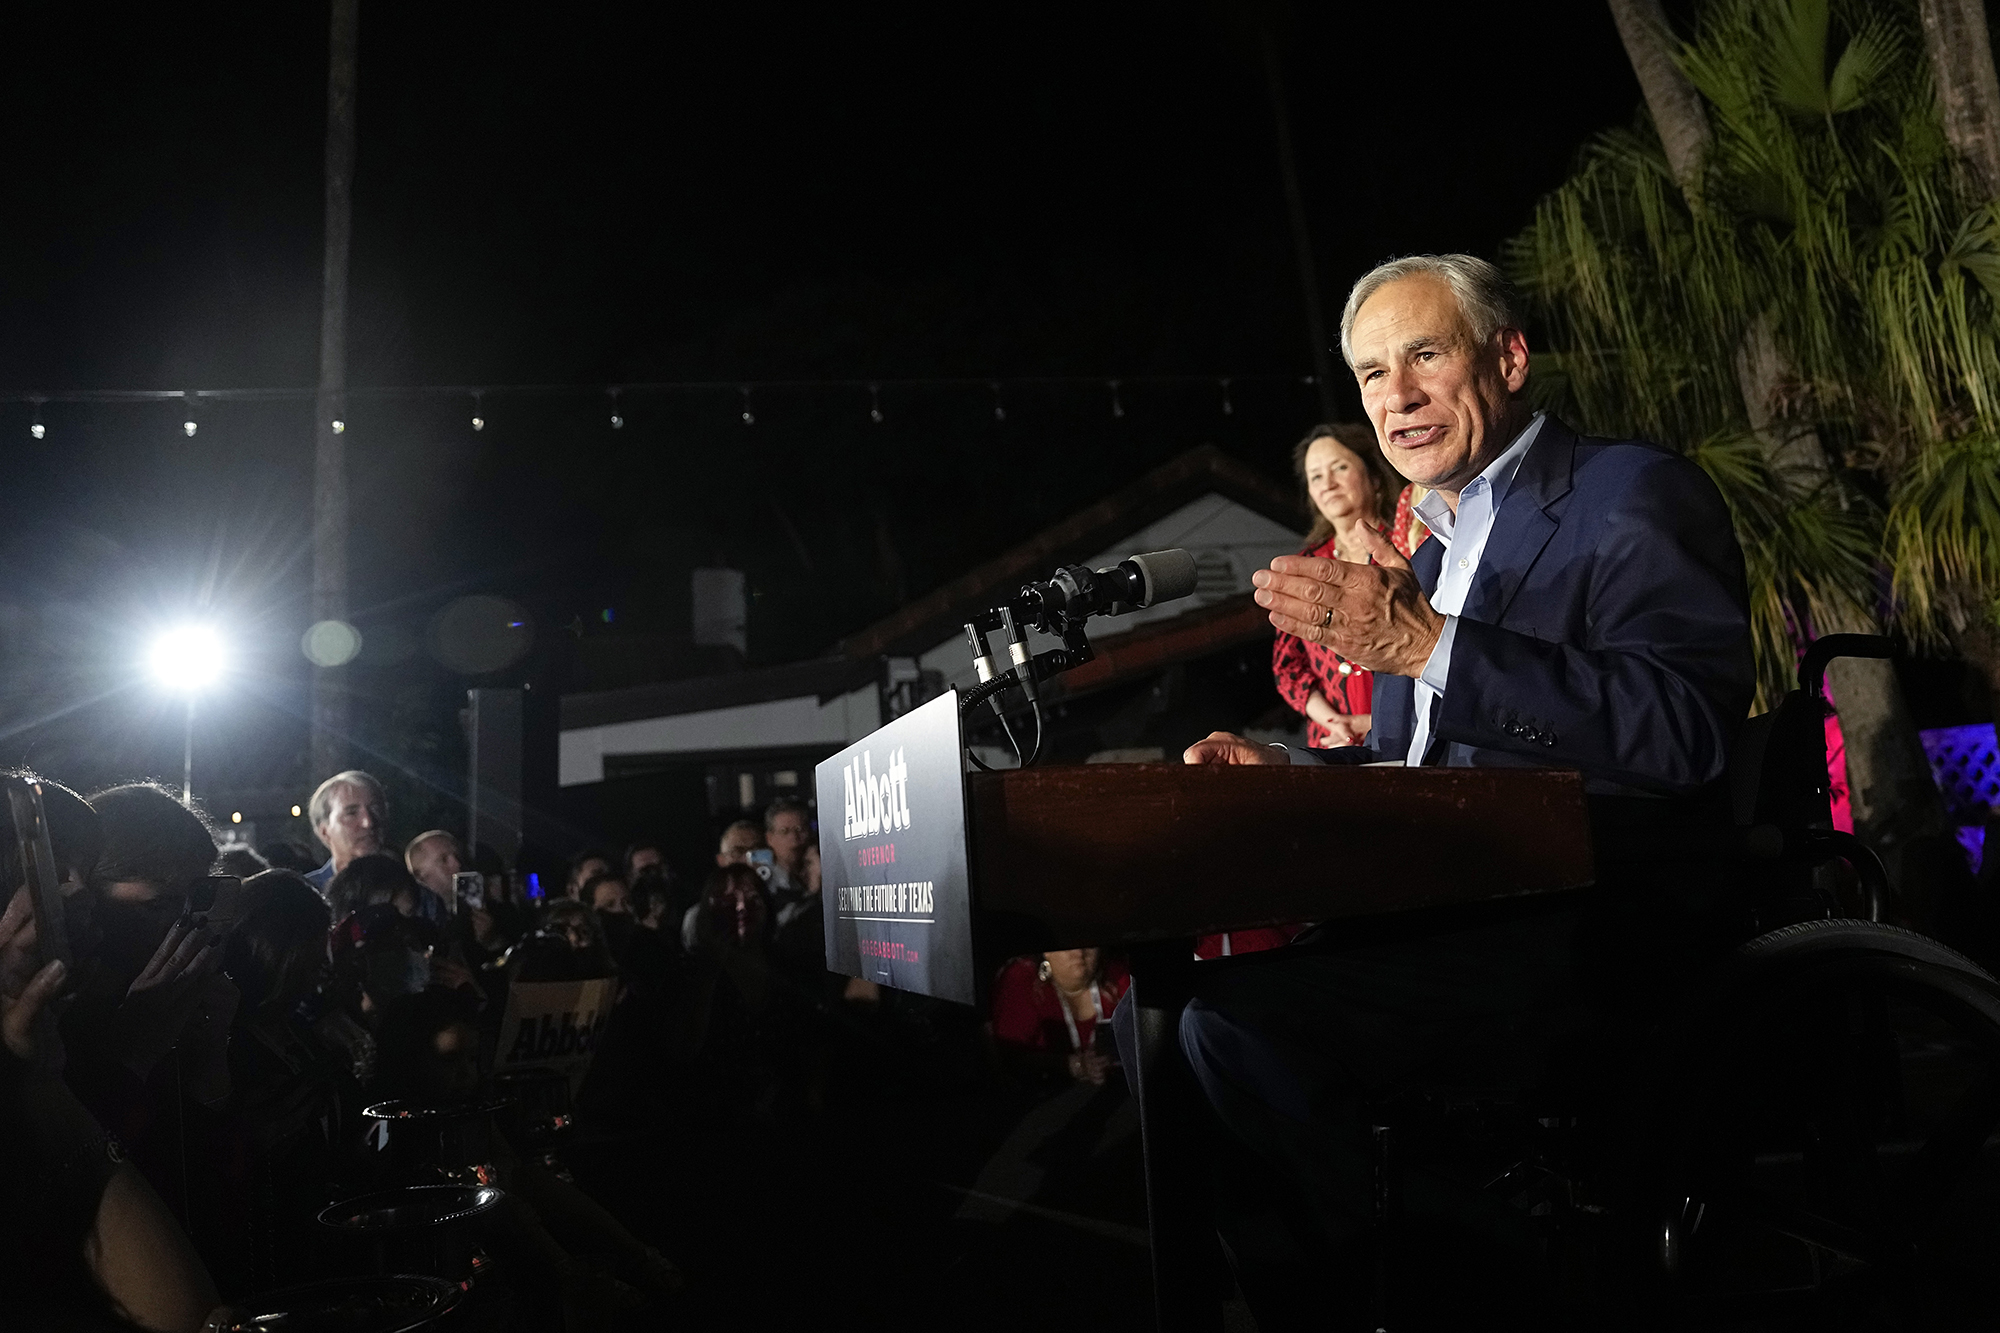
(597, 194)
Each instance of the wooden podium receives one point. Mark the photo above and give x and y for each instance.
(1144, 857)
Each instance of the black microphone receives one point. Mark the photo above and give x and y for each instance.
(1077, 591)
(1059, 607)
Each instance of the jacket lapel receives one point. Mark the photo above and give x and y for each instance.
(1396, 696)
(1427, 563)
(1523, 526)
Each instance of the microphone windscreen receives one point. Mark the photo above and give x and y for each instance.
(1168, 574)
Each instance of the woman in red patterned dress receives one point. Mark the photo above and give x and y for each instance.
(1348, 484)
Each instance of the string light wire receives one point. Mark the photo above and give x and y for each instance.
(745, 390)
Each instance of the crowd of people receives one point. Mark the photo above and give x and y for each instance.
(210, 1071)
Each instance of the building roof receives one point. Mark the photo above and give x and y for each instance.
(920, 624)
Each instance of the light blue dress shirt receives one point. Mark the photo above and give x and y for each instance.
(1464, 535)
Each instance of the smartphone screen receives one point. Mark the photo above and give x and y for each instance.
(469, 890)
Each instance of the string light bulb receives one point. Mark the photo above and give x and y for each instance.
(875, 403)
(339, 426)
(749, 417)
(1117, 403)
(37, 429)
(617, 421)
(1228, 408)
(188, 425)
(478, 412)
(999, 408)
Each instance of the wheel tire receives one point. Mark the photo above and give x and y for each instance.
(1809, 939)
(1680, 1085)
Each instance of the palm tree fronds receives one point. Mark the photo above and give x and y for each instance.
(1809, 553)
(1834, 230)
(1943, 534)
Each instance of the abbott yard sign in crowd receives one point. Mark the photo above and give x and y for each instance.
(554, 1025)
(897, 890)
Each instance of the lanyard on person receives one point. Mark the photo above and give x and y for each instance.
(1069, 1019)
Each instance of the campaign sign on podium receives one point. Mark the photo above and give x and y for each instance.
(897, 890)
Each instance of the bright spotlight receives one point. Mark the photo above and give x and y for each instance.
(188, 659)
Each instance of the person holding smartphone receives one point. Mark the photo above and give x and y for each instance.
(84, 1239)
(436, 859)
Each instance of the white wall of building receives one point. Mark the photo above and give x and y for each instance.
(1228, 541)
(773, 724)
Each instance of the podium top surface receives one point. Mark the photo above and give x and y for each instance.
(1110, 854)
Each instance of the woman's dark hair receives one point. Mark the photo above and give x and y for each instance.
(283, 855)
(150, 836)
(561, 911)
(746, 881)
(735, 873)
(284, 923)
(1359, 440)
(545, 957)
(646, 893)
(241, 862)
(367, 880)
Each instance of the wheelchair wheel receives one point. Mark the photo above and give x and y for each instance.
(1816, 1146)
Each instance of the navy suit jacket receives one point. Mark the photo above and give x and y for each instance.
(1607, 628)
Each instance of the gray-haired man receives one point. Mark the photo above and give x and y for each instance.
(1580, 605)
(348, 813)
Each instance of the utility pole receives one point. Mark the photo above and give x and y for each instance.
(329, 596)
(1322, 357)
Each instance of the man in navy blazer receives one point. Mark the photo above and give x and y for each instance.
(1580, 604)
(1606, 630)
(1605, 625)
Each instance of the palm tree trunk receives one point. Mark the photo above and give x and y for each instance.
(1889, 786)
(1979, 645)
(1961, 58)
(1672, 100)
(1890, 791)
(1889, 779)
